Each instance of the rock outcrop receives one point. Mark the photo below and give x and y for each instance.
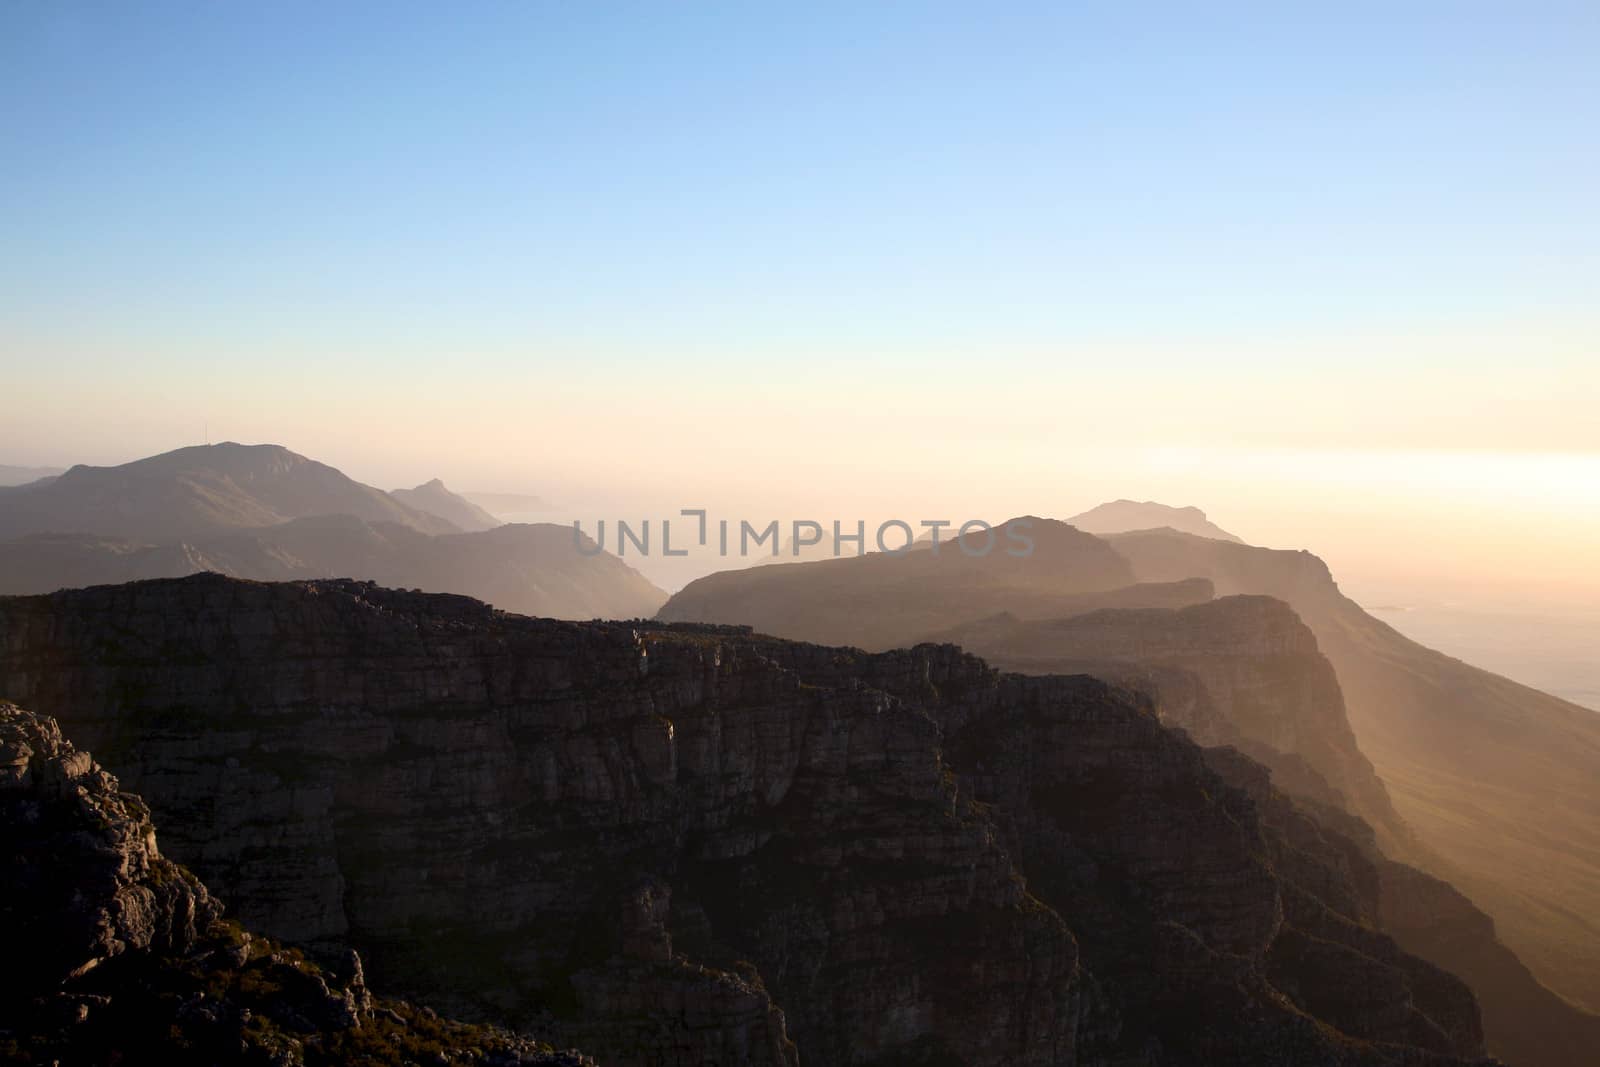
(683, 843)
(118, 955)
(84, 882)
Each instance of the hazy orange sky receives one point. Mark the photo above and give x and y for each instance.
(1409, 461)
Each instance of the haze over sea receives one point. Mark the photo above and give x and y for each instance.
(1556, 652)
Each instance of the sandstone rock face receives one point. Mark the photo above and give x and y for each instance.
(1242, 670)
(1498, 782)
(688, 844)
(85, 882)
(118, 955)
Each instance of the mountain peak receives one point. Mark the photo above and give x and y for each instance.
(198, 490)
(1123, 516)
(433, 498)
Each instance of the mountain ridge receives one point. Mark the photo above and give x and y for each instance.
(1445, 736)
(198, 490)
(264, 512)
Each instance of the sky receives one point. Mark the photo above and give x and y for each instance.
(1331, 272)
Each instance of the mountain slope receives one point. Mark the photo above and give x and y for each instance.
(1245, 671)
(433, 498)
(1119, 516)
(1500, 781)
(532, 570)
(197, 491)
(263, 512)
(693, 843)
(880, 600)
(43, 563)
(1253, 670)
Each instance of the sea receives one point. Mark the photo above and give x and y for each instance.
(1556, 652)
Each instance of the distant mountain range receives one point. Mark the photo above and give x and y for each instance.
(206, 489)
(1491, 787)
(266, 513)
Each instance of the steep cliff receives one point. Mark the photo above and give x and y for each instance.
(1501, 783)
(1242, 670)
(667, 843)
(116, 954)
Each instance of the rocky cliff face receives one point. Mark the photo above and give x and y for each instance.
(685, 844)
(84, 882)
(117, 954)
(1500, 783)
(1242, 670)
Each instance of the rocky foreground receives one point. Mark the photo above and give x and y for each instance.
(118, 955)
(688, 844)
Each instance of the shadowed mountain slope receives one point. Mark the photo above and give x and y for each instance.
(433, 498)
(695, 843)
(1245, 671)
(197, 491)
(1500, 781)
(1254, 674)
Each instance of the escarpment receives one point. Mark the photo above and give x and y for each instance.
(687, 843)
(1242, 670)
(1497, 781)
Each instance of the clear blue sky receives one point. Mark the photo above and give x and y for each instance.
(731, 177)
